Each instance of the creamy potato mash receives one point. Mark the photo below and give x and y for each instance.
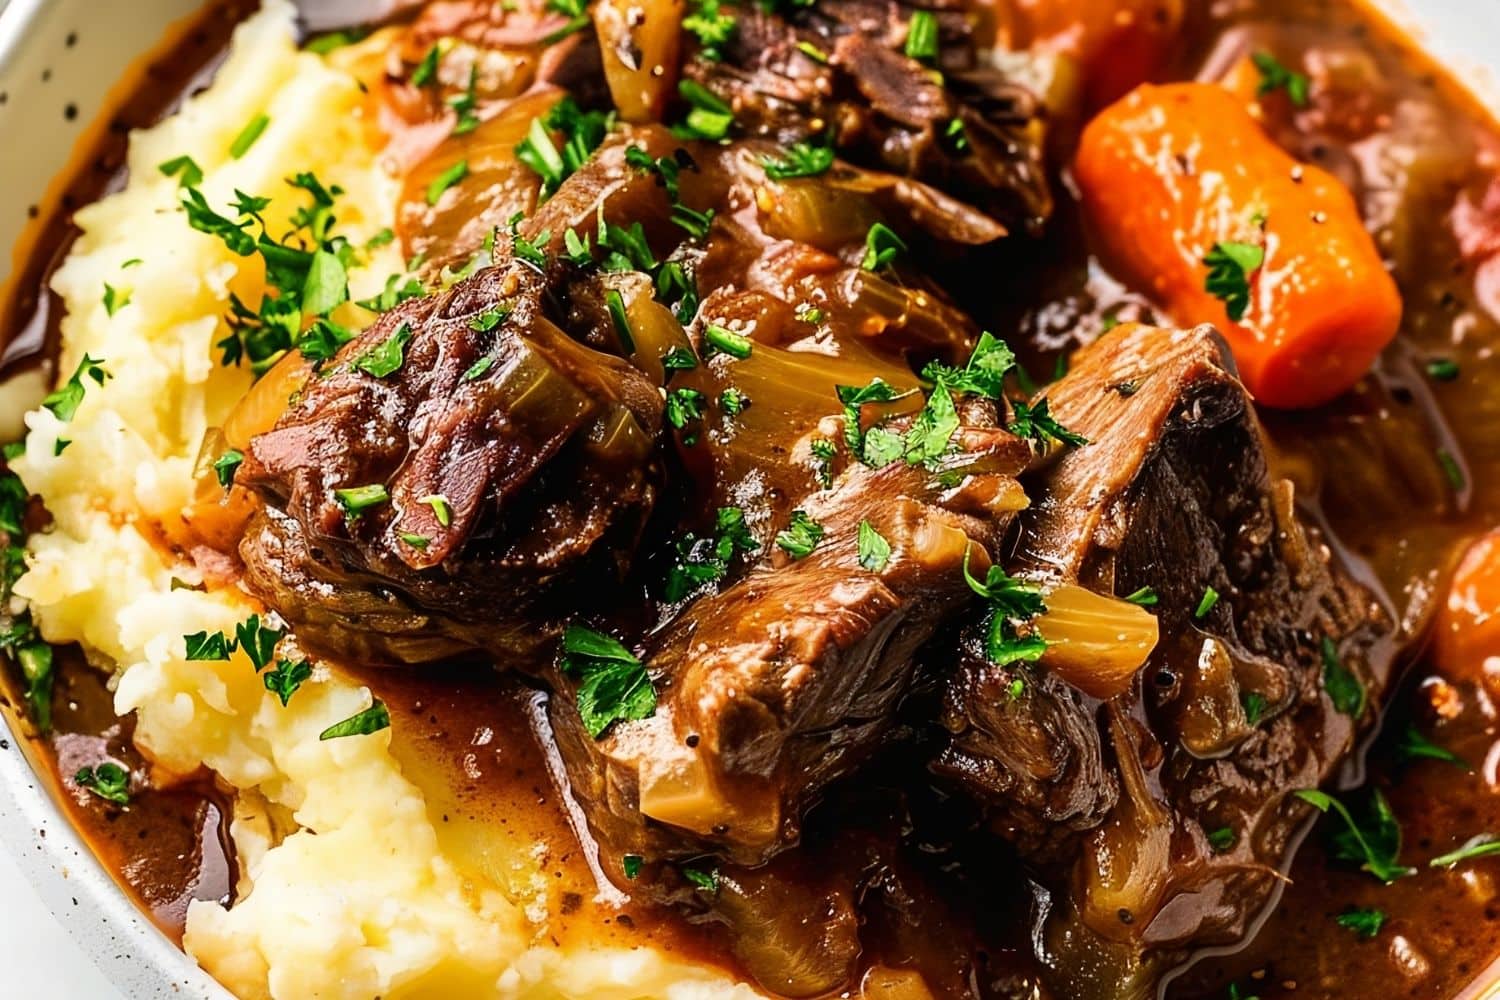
(344, 891)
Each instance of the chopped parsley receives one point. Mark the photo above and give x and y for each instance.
(577, 13)
(109, 781)
(1364, 922)
(709, 117)
(306, 274)
(445, 180)
(927, 438)
(1146, 597)
(489, 319)
(184, 168)
(464, 104)
(478, 368)
(708, 881)
(733, 402)
(683, 406)
(1452, 471)
(614, 685)
(1415, 746)
(701, 561)
(882, 246)
(711, 26)
(1255, 705)
(802, 159)
(1013, 603)
(582, 132)
(631, 864)
(823, 451)
(386, 358)
(1344, 689)
(1206, 603)
(248, 135)
(1482, 846)
(983, 375)
(440, 508)
(398, 289)
(426, 71)
(1374, 844)
(801, 535)
(1443, 369)
(206, 646)
(416, 541)
(371, 720)
(115, 299)
(1275, 76)
(65, 400)
(1035, 423)
(529, 250)
(874, 550)
(34, 657)
(357, 499)
(922, 36)
(1222, 839)
(258, 641)
(285, 678)
(615, 303)
(859, 440)
(1230, 266)
(324, 44)
(812, 52)
(679, 359)
(726, 341)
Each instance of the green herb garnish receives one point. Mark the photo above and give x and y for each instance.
(1230, 266)
(1365, 923)
(882, 246)
(614, 685)
(801, 535)
(874, 550)
(357, 499)
(445, 180)
(248, 135)
(109, 781)
(1375, 844)
(1275, 76)
(371, 720)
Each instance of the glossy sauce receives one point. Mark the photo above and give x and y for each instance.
(949, 899)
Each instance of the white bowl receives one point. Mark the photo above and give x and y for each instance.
(58, 61)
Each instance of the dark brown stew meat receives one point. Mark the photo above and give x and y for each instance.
(875, 661)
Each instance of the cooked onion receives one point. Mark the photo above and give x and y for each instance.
(640, 43)
(1096, 643)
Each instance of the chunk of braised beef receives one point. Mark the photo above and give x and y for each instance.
(788, 678)
(1170, 803)
(839, 67)
(500, 459)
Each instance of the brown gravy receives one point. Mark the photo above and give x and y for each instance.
(476, 743)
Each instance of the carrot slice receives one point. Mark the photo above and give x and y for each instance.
(1466, 637)
(1180, 184)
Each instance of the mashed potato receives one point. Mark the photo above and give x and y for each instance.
(345, 891)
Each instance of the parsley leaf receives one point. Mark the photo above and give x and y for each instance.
(1222, 839)
(726, 341)
(614, 685)
(285, 678)
(109, 781)
(710, 118)
(187, 172)
(927, 438)
(115, 299)
(258, 641)
(1375, 844)
(801, 535)
(1414, 746)
(248, 135)
(371, 720)
(1206, 603)
(1275, 76)
(357, 499)
(631, 865)
(983, 375)
(802, 159)
(874, 550)
(1036, 424)
(1146, 597)
(64, 402)
(206, 646)
(706, 560)
(387, 357)
(426, 71)
(1365, 923)
(35, 660)
(1013, 603)
(712, 27)
(882, 246)
(708, 881)
(1481, 846)
(445, 180)
(1230, 266)
(1344, 689)
(823, 452)
(922, 36)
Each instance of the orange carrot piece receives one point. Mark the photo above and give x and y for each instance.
(1118, 43)
(1169, 173)
(1466, 636)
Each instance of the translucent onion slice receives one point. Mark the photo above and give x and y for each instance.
(1096, 643)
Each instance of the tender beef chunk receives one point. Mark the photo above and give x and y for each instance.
(970, 132)
(1162, 815)
(788, 678)
(514, 458)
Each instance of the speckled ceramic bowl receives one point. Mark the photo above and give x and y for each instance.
(59, 60)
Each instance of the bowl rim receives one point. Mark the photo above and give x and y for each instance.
(106, 923)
